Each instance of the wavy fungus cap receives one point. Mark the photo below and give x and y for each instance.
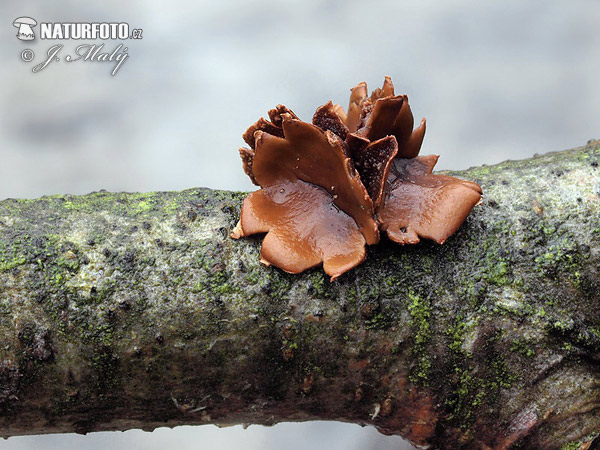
(329, 187)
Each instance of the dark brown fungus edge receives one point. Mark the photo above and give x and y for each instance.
(273, 127)
(329, 187)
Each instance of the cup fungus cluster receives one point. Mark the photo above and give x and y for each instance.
(330, 187)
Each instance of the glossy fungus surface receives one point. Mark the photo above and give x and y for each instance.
(330, 186)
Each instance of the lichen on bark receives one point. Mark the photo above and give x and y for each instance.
(126, 311)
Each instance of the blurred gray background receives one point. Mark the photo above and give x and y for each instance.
(496, 81)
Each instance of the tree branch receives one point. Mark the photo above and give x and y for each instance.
(123, 311)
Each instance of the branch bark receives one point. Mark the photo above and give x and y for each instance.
(123, 311)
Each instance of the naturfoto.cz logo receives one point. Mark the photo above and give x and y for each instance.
(25, 24)
(78, 31)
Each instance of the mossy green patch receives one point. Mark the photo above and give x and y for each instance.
(319, 284)
(522, 347)
(420, 313)
(571, 445)
(475, 379)
(380, 320)
(12, 263)
(456, 334)
(143, 207)
(564, 258)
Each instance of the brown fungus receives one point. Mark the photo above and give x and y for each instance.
(273, 127)
(329, 187)
(304, 229)
(421, 204)
(312, 204)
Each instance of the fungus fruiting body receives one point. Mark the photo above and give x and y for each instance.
(328, 188)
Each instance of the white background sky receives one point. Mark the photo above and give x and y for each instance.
(496, 81)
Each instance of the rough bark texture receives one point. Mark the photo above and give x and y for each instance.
(126, 311)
